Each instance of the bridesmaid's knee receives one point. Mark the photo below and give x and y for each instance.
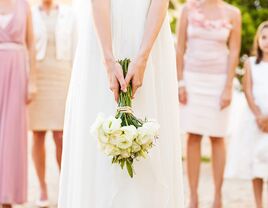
(194, 138)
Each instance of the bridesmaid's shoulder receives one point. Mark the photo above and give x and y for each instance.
(25, 3)
(233, 11)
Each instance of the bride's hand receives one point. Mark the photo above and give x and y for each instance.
(135, 74)
(116, 78)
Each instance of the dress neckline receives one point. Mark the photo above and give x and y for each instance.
(12, 13)
(198, 17)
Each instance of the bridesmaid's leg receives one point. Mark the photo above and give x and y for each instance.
(258, 190)
(193, 166)
(218, 164)
(57, 135)
(39, 158)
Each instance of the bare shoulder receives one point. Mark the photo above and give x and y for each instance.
(26, 5)
(232, 11)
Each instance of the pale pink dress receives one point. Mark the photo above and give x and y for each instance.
(205, 72)
(13, 93)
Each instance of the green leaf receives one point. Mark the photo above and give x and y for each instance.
(122, 163)
(129, 168)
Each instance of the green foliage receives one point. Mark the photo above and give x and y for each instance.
(253, 12)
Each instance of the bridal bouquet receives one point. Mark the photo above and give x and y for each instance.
(124, 137)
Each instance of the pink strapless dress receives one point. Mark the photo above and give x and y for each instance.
(205, 72)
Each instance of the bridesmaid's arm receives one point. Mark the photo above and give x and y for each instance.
(30, 43)
(234, 48)
(181, 41)
(247, 86)
(156, 15)
(102, 20)
(181, 47)
(262, 120)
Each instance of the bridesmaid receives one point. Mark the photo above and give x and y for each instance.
(207, 55)
(55, 40)
(250, 138)
(16, 40)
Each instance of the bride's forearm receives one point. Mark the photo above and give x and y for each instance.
(102, 20)
(155, 18)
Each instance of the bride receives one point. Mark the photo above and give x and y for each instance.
(110, 30)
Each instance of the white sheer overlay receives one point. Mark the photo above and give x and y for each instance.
(88, 179)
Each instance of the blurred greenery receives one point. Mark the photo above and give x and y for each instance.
(253, 13)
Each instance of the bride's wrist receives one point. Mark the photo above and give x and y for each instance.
(108, 58)
(143, 56)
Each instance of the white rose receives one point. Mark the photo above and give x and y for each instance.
(111, 124)
(129, 132)
(148, 145)
(152, 128)
(135, 147)
(144, 136)
(124, 144)
(125, 153)
(97, 124)
(111, 150)
(124, 141)
(102, 137)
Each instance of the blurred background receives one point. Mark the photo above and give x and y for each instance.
(237, 194)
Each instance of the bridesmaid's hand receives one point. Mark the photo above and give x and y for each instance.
(183, 95)
(135, 74)
(116, 78)
(32, 90)
(262, 122)
(226, 98)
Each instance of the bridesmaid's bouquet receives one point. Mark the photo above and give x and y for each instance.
(124, 137)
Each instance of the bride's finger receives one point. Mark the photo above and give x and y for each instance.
(121, 80)
(134, 89)
(128, 78)
(116, 95)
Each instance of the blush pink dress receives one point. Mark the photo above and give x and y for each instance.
(13, 93)
(205, 73)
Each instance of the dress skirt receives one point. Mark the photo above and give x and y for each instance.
(202, 114)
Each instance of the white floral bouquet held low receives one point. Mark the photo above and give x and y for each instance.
(124, 137)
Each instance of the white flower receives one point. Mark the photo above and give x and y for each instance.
(135, 147)
(124, 144)
(124, 141)
(97, 124)
(129, 132)
(144, 136)
(102, 137)
(148, 145)
(143, 154)
(125, 153)
(111, 124)
(152, 128)
(111, 150)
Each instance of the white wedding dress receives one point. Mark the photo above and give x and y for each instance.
(88, 179)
